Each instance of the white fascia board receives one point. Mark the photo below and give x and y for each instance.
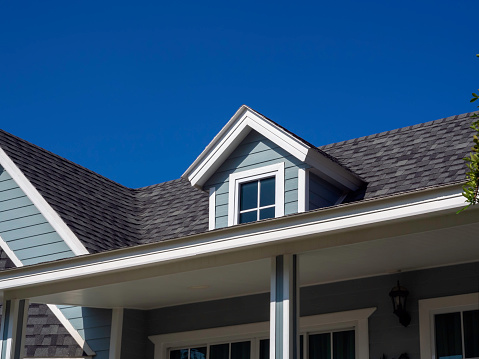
(231, 136)
(57, 312)
(42, 205)
(236, 238)
(333, 172)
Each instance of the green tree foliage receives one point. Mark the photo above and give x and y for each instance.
(471, 188)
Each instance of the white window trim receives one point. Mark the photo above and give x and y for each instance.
(212, 209)
(428, 308)
(235, 179)
(357, 319)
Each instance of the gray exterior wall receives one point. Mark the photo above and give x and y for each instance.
(255, 151)
(94, 325)
(322, 193)
(134, 342)
(33, 240)
(386, 335)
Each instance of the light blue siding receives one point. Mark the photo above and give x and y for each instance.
(33, 240)
(322, 193)
(24, 228)
(94, 325)
(254, 151)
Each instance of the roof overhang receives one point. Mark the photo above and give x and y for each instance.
(368, 224)
(238, 127)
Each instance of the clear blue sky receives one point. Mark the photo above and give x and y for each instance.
(135, 90)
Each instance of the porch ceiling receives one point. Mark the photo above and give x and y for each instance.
(387, 254)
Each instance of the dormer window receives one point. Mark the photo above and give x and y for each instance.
(256, 194)
(257, 200)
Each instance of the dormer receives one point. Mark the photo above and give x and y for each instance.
(255, 169)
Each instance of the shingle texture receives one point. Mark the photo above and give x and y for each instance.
(409, 158)
(105, 215)
(45, 335)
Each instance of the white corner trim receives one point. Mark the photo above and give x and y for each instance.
(235, 179)
(42, 205)
(303, 190)
(235, 130)
(331, 321)
(430, 307)
(116, 333)
(212, 209)
(57, 312)
(73, 332)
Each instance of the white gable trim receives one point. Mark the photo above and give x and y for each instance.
(42, 205)
(57, 312)
(231, 135)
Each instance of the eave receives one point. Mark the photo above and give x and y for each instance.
(297, 233)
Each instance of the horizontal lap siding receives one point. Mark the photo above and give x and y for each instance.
(23, 227)
(254, 152)
(94, 325)
(33, 240)
(322, 193)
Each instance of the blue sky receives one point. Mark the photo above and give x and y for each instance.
(136, 90)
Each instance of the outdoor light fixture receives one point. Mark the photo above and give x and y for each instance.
(399, 295)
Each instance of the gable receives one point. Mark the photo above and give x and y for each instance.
(239, 126)
(24, 229)
(255, 151)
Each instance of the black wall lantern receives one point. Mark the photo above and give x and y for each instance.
(399, 295)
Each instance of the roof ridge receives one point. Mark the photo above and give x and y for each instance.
(158, 184)
(400, 129)
(64, 159)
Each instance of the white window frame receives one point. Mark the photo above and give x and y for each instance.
(428, 308)
(236, 179)
(352, 319)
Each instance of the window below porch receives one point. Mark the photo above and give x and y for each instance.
(339, 335)
(339, 344)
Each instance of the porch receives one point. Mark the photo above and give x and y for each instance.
(242, 284)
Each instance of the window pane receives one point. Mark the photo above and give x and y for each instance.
(267, 193)
(448, 335)
(248, 217)
(471, 333)
(220, 351)
(320, 346)
(343, 345)
(179, 354)
(248, 195)
(241, 350)
(266, 213)
(198, 353)
(264, 349)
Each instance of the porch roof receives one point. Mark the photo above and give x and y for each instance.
(400, 233)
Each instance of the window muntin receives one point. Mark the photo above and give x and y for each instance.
(256, 194)
(456, 334)
(257, 200)
(234, 350)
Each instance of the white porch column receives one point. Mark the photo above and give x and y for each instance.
(284, 308)
(12, 334)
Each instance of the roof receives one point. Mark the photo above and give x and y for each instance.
(45, 335)
(409, 158)
(105, 215)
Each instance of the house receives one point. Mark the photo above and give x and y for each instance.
(266, 246)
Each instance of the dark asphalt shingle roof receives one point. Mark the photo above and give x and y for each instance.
(409, 158)
(106, 215)
(45, 336)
